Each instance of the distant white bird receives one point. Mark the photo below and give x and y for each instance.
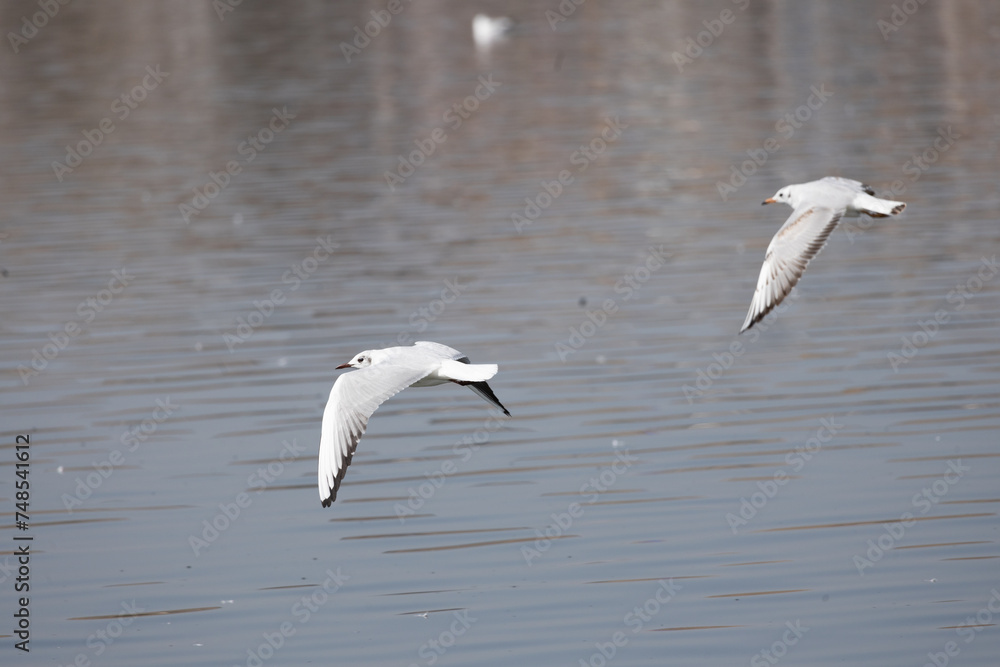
(487, 30)
(383, 374)
(818, 207)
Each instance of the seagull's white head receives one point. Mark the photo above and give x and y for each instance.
(785, 196)
(361, 360)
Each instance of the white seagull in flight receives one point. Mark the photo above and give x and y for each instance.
(487, 31)
(381, 375)
(818, 207)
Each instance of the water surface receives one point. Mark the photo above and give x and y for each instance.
(666, 492)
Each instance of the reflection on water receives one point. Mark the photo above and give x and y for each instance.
(171, 365)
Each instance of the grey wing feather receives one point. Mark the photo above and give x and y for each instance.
(851, 183)
(443, 350)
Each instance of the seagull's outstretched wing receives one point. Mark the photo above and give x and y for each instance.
(799, 240)
(851, 183)
(443, 351)
(353, 399)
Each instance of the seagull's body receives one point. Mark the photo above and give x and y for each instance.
(487, 30)
(381, 375)
(817, 208)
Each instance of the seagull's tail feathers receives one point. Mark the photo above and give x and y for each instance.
(879, 208)
(464, 372)
(473, 376)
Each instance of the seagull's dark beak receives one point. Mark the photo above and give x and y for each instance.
(343, 366)
(769, 200)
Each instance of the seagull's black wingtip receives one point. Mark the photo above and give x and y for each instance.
(485, 392)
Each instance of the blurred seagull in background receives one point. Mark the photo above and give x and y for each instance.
(487, 31)
(817, 208)
(381, 375)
